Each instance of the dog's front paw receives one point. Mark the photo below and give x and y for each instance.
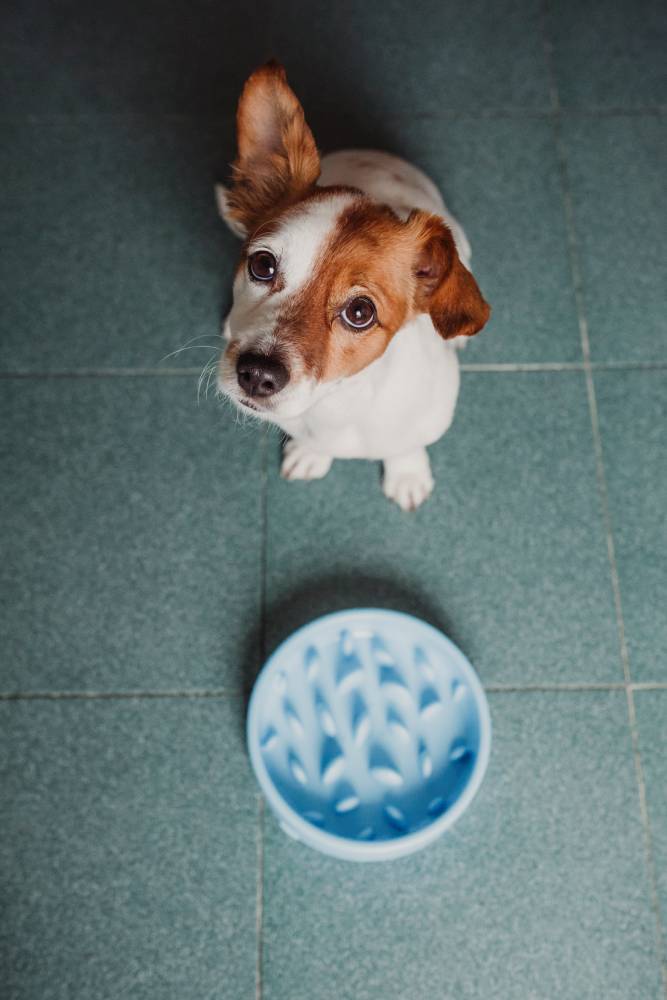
(300, 462)
(407, 480)
(409, 490)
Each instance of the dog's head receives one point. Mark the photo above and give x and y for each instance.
(326, 276)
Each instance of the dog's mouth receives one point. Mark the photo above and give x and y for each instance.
(227, 387)
(260, 407)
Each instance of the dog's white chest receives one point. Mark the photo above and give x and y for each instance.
(404, 400)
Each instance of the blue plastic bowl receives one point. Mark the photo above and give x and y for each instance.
(369, 733)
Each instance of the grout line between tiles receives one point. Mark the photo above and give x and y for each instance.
(103, 373)
(259, 901)
(610, 366)
(545, 366)
(577, 282)
(195, 693)
(550, 688)
(563, 366)
(586, 366)
(264, 521)
(471, 367)
(259, 898)
(213, 118)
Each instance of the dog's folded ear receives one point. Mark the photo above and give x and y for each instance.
(277, 160)
(445, 288)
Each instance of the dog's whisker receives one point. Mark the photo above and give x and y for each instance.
(190, 346)
(211, 375)
(206, 370)
(193, 347)
(203, 382)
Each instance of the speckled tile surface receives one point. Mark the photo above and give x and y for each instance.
(127, 850)
(150, 553)
(501, 179)
(609, 55)
(132, 550)
(508, 556)
(615, 166)
(633, 422)
(375, 58)
(651, 717)
(547, 864)
(119, 257)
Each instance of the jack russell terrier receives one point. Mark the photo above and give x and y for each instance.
(352, 290)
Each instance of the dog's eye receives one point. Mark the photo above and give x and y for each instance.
(262, 265)
(359, 313)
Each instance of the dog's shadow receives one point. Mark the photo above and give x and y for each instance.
(321, 596)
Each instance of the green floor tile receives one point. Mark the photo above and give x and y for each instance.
(149, 544)
(652, 721)
(114, 254)
(539, 891)
(633, 419)
(501, 179)
(609, 55)
(127, 851)
(131, 536)
(616, 173)
(508, 556)
(367, 58)
(118, 258)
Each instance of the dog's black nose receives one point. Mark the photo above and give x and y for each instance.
(261, 375)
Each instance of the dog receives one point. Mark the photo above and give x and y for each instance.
(351, 295)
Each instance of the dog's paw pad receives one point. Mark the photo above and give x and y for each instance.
(301, 463)
(408, 489)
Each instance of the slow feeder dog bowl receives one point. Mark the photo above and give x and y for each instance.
(369, 733)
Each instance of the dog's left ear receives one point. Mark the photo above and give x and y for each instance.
(277, 159)
(445, 288)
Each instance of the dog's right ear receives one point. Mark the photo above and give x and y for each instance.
(445, 287)
(277, 160)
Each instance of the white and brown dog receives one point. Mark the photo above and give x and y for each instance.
(352, 288)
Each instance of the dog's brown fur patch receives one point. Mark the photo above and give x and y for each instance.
(445, 287)
(404, 267)
(277, 160)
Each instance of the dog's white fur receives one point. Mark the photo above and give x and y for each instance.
(401, 402)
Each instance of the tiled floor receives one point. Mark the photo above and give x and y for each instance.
(152, 556)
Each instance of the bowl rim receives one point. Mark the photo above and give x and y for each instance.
(347, 848)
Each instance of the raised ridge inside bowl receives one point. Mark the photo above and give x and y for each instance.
(369, 732)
